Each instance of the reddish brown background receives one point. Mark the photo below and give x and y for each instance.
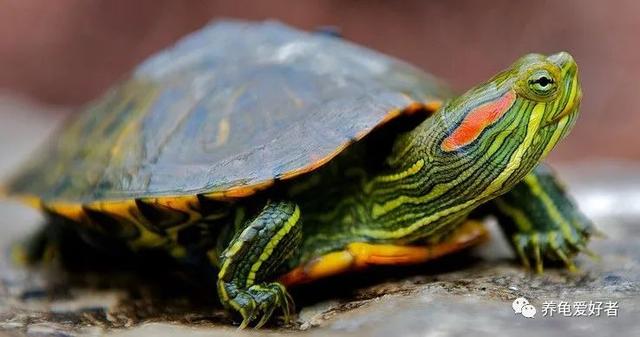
(68, 51)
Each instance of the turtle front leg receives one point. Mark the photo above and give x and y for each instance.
(542, 221)
(253, 256)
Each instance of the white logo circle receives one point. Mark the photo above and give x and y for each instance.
(528, 311)
(518, 303)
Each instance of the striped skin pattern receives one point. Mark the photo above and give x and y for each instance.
(477, 147)
(271, 235)
(542, 221)
(477, 120)
(424, 191)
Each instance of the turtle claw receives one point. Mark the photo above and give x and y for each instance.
(258, 302)
(592, 255)
(596, 233)
(551, 246)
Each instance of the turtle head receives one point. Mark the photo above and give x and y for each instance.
(549, 84)
(509, 123)
(536, 97)
(476, 147)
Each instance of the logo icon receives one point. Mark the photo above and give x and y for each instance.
(521, 306)
(529, 311)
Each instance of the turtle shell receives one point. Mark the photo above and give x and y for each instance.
(223, 113)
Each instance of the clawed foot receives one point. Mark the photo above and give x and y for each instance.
(258, 302)
(253, 256)
(553, 245)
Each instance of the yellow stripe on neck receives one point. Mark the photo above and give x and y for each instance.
(516, 159)
(415, 168)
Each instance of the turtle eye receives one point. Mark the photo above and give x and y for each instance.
(542, 83)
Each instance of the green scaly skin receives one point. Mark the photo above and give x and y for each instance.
(421, 191)
(255, 252)
(542, 221)
(414, 191)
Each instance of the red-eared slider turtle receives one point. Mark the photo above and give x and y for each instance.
(274, 157)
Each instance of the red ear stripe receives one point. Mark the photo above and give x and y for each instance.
(477, 120)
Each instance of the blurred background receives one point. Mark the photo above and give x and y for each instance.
(57, 55)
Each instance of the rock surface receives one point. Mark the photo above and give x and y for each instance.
(469, 293)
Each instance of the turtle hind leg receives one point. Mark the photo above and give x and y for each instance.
(542, 222)
(253, 255)
(361, 255)
(41, 247)
(60, 242)
(52, 244)
(49, 244)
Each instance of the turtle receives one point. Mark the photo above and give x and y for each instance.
(269, 157)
